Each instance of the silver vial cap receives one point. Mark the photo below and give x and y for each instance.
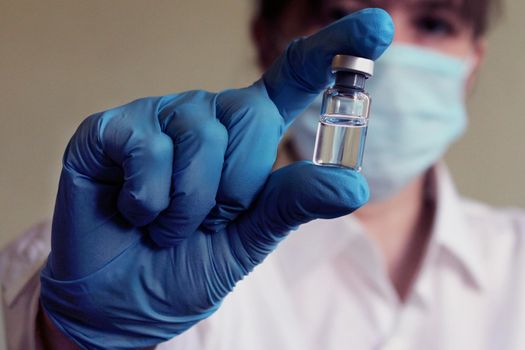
(355, 64)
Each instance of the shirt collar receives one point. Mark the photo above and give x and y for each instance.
(322, 240)
(451, 230)
(315, 243)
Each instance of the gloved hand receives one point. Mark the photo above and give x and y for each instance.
(166, 202)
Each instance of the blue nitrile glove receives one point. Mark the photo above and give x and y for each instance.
(166, 202)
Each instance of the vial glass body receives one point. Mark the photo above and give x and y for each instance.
(341, 132)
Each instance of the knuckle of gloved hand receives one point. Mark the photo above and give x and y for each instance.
(160, 154)
(87, 133)
(148, 172)
(136, 207)
(203, 132)
(250, 108)
(147, 203)
(158, 151)
(86, 154)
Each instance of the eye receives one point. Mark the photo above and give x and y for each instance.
(435, 26)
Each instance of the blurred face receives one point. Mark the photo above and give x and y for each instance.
(408, 137)
(433, 24)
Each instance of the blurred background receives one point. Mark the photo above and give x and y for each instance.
(63, 60)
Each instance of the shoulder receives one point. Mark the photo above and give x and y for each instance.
(498, 223)
(21, 258)
(20, 262)
(499, 232)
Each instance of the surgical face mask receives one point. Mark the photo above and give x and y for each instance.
(418, 110)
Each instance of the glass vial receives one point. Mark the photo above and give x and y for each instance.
(341, 132)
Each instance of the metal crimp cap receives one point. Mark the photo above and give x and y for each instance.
(355, 64)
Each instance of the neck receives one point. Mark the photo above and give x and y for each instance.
(400, 227)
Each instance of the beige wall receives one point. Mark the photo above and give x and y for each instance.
(63, 60)
(489, 162)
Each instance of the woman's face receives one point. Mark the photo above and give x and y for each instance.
(433, 24)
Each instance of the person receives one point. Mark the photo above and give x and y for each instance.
(417, 267)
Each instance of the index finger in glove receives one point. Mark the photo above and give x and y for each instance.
(298, 76)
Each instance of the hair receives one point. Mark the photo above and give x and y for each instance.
(480, 13)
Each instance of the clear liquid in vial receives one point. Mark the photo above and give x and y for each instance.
(340, 141)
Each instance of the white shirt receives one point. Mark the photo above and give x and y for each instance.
(326, 287)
